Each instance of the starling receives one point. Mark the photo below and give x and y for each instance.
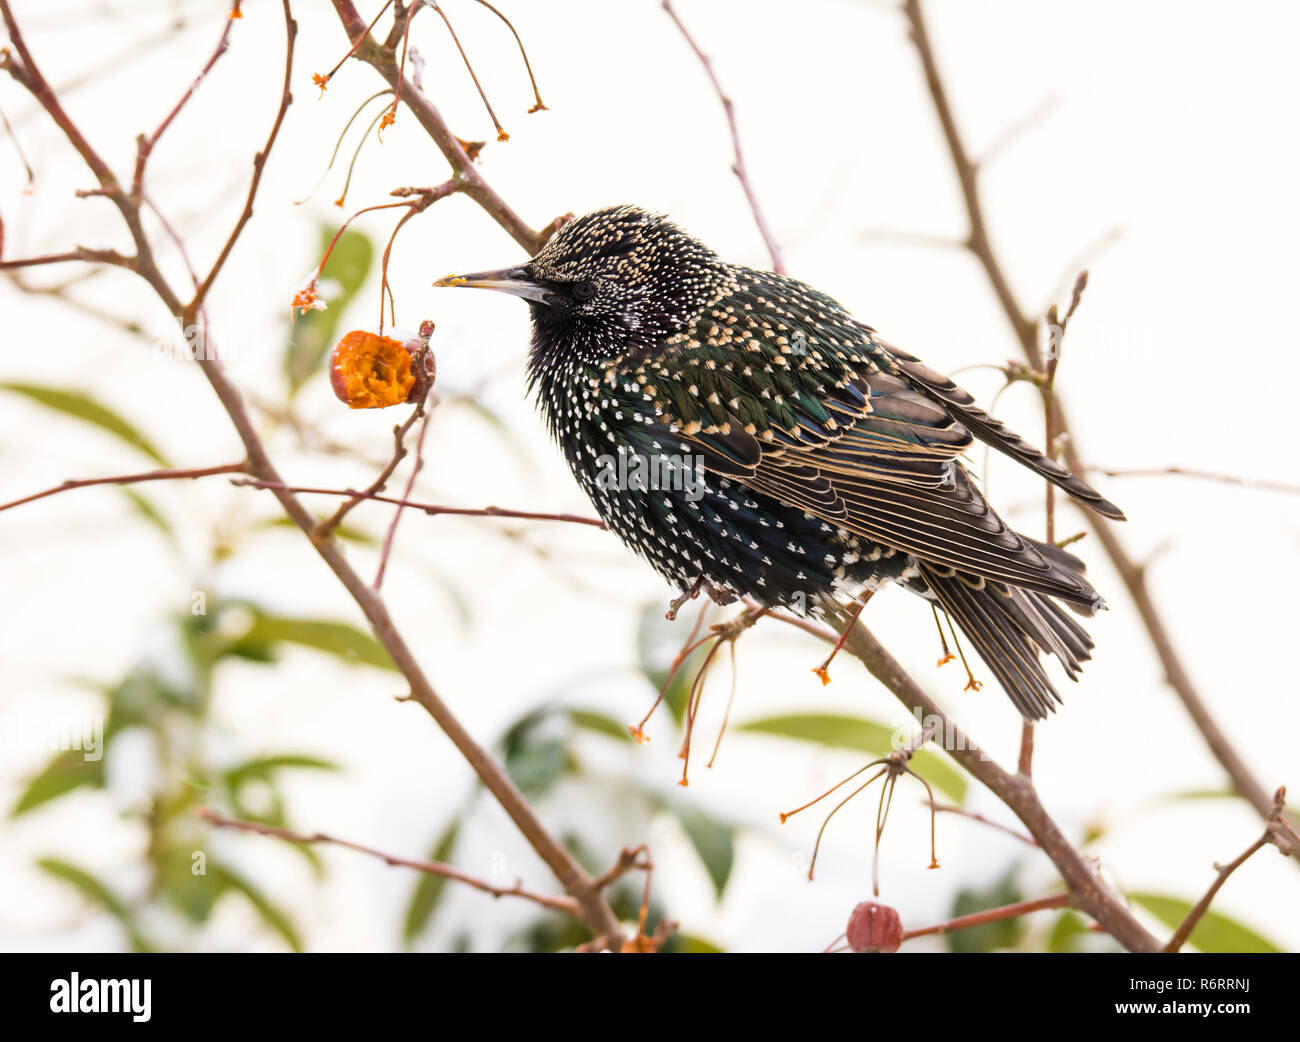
(748, 437)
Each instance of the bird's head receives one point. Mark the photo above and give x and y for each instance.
(610, 284)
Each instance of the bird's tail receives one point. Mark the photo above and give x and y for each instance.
(1010, 627)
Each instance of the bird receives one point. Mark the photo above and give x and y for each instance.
(749, 438)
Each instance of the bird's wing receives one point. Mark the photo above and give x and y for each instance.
(833, 432)
(993, 432)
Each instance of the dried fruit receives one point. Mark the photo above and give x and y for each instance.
(369, 371)
(874, 927)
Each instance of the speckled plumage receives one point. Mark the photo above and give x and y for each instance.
(823, 462)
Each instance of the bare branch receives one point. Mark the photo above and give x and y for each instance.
(129, 479)
(567, 905)
(738, 165)
(432, 509)
(1027, 331)
(991, 915)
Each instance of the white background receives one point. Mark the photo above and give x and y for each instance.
(1174, 123)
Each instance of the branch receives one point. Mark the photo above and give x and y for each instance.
(1199, 475)
(1088, 893)
(259, 164)
(383, 59)
(128, 479)
(592, 909)
(991, 915)
(738, 165)
(1027, 331)
(948, 808)
(433, 868)
(432, 509)
(1279, 833)
(399, 453)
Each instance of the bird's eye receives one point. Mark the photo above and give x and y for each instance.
(584, 290)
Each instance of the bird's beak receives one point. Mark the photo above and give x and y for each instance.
(508, 280)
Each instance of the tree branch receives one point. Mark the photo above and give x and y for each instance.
(567, 905)
(738, 165)
(592, 908)
(129, 479)
(1027, 333)
(1088, 893)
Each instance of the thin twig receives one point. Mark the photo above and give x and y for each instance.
(129, 479)
(432, 509)
(1278, 832)
(389, 536)
(948, 808)
(991, 915)
(399, 453)
(384, 61)
(1262, 484)
(591, 907)
(567, 905)
(1089, 893)
(1027, 331)
(738, 165)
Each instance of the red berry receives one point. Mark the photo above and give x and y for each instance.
(874, 927)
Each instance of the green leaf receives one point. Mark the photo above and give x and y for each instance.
(429, 889)
(861, 735)
(335, 638)
(313, 334)
(84, 408)
(262, 767)
(67, 771)
(97, 893)
(988, 937)
(589, 720)
(227, 880)
(345, 532)
(690, 944)
(535, 764)
(1214, 933)
(713, 841)
(1069, 929)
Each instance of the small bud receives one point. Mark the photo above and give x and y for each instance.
(874, 927)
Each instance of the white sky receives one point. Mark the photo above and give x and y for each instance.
(1173, 123)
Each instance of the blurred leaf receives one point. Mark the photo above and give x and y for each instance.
(658, 641)
(67, 771)
(1214, 933)
(429, 889)
(690, 944)
(97, 893)
(83, 407)
(1200, 794)
(535, 750)
(313, 334)
(335, 638)
(1068, 930)
(861, 735)
(346, 532)
(601, 724)
(535, 764)
(263, 767)
(226, 879)
(146, 509)
(713, 841)
(989, 937)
